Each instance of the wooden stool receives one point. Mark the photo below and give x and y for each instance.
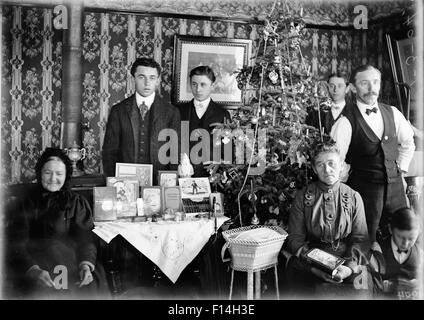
(257, 273)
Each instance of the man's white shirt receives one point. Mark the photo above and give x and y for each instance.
(201, 106)
(399, 256)
(147, 100)
(337, 108)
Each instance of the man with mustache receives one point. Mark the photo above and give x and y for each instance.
(377, 141)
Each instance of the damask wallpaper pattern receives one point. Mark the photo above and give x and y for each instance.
(31, 71)
(31, 89)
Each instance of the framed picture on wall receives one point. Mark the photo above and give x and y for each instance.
(403, 55)
(225, 56)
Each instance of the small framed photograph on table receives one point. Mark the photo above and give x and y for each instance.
(152, 200)
(167, 178)
(143, 172)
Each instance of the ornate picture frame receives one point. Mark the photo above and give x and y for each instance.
(224, 56)
(167, 178)
(142, 172)
(403, 54)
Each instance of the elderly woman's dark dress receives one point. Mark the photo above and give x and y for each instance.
(331, 218)
(53, 229)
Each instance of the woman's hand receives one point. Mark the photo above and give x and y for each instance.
(323, 275)
(41, 277)
(342, 272)
(85, 274)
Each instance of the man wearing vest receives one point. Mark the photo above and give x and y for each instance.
(202, 112)
(338, 84)
(134, 124)
(131, 136)
(377, 141)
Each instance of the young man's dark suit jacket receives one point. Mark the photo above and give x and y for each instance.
(214, 114)
(327, 120)
(121, 139)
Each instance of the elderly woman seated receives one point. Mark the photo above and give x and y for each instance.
(51, 246)
(328, 215)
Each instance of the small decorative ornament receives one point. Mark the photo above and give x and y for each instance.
(282, 197)
(232, 173)
(185, 169)
(255, 219)
(254, 120)
(274, 159)
(273, 76)
(225, 140)
(75, 154)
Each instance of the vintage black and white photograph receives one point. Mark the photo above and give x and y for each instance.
(136, 135)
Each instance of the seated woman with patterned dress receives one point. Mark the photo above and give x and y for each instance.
(51, 247)
(328, 215)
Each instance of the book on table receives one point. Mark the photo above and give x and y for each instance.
(104, 199)
(323, 260)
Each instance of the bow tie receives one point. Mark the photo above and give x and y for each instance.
(402, 251)
(368, 111)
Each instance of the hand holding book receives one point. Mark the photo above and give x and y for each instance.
(342, 272)
(326, 266)
(339, 274)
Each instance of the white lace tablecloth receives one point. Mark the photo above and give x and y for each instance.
(170, 245)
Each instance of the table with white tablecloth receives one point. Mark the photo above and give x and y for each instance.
(170, 245)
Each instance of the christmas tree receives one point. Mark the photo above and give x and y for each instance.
(269, 130)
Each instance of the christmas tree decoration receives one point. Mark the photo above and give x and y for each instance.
(268, 131)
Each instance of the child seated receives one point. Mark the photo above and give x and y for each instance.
(328, 215)
(403, 259)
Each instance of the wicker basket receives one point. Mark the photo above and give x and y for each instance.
(252, 255)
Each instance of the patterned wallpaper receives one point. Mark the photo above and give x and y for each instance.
(31, 89)
(31, 71)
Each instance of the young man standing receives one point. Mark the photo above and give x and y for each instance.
(202, 112)
(134, 124)
(338, 84)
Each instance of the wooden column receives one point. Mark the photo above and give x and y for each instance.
(72, 77)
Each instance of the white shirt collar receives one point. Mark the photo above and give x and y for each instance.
(400, 257)
(147, 100)
(363, 107)
(339, 105)
(201, 104)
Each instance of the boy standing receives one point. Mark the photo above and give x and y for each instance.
(202, 112)
(338, 87)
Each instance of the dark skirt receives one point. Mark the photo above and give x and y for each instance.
(60, 260)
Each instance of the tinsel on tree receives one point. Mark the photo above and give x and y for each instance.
(278, 90)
